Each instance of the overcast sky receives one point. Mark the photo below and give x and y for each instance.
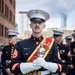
(53, 7)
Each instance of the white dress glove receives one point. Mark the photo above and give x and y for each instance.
(28, 67)
(47, 65)
(40, 62)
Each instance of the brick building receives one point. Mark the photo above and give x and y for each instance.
(7, 18)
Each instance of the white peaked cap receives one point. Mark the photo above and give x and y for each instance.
(68, 37)
(12, 32)
(58, 32)
(38, 14)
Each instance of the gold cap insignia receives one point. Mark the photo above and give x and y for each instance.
(36, 11)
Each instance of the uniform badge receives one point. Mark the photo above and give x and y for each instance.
(62, 51)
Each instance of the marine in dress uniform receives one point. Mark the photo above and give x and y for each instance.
(68, 40)
(8, 51)
(64, 51)
(36, 55)
(73, 53)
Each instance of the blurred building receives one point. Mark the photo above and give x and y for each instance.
(23, 23)
(7, 18)
(63, 21)
(16, 27)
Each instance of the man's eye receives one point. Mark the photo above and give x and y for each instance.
(39, 22)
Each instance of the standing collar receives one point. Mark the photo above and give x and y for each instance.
(36, 39)
(12, 44)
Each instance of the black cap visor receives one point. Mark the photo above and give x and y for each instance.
(69, 39)
(56, 35)
(37, 19)
(10, 36)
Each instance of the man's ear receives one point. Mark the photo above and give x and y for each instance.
(30, 25)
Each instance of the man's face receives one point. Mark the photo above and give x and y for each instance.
(12, 39)
(37, 26)
(68, 41)
(58, 39)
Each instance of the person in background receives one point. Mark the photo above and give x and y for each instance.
(68, 40)
(73, 53)
(8, 51)
(36, 55)
(1, 47)
(63, 50)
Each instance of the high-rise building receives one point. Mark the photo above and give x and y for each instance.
(16, 27)
(63, 21)
(7, 18)
(23, 23)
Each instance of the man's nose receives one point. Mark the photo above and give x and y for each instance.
(37, 24)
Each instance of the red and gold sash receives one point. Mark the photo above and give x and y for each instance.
(47, 44)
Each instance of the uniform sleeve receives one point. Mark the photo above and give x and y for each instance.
(16, 60)
(3, 61)
(56, 57)
(67, 59)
